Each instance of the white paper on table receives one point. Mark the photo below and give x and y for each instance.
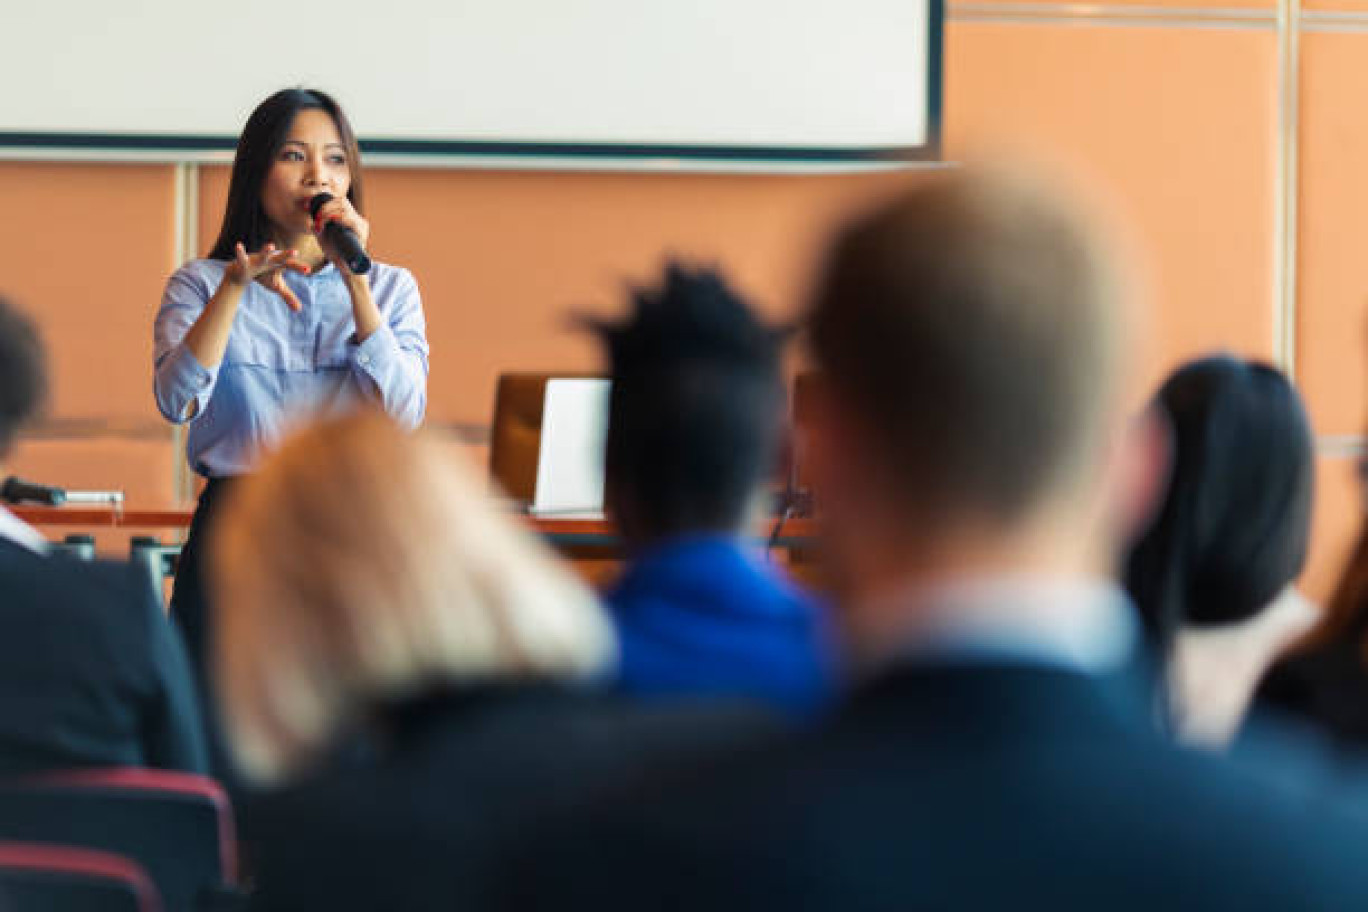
(570, 458)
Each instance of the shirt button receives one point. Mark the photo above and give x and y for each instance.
(363, 360)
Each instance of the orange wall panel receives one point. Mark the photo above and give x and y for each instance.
(87, 249)
(142, 469)
(1185, 151)
(1335, 6)
(1332, 325)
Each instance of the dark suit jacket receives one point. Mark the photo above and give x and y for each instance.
(959, 787)
(91, 671)
(463, 775)
(1324, 688)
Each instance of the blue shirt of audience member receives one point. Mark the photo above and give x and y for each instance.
(706, 615)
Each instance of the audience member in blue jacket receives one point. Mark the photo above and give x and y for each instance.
(696, 418)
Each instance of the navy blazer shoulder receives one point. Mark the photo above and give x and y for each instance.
(91, 671)
(959, 787)
(459, 776)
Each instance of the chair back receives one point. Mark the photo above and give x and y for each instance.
(176, 826)
(54, 878)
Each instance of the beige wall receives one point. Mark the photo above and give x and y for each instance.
(1191, 118)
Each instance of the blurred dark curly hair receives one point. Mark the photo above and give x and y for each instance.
(698, 402)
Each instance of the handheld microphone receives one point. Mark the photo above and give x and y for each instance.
(342, 239)
(16, 490)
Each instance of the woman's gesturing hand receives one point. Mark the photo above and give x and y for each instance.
(267, 267)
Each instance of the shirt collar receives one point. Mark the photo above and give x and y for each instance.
(14, 529)
(1078, 624)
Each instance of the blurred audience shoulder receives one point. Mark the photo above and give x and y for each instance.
(91, 671)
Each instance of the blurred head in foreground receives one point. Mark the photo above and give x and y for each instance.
(361, 566)
(697, 407)
(974, 349)
(23, 374)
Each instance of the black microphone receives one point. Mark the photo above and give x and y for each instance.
(342, 239)
(16, 490)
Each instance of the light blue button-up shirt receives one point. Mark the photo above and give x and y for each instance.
(282, 368)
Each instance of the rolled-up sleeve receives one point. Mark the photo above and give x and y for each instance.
(179, 379)
(391, 365)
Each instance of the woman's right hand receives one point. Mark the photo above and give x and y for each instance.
(267, 266)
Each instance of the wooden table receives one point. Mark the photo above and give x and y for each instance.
(567, 534)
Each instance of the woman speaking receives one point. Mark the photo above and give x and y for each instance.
(273, 328)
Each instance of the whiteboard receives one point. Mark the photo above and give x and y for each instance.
(779, 79)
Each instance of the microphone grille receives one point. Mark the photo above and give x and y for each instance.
(319, 201)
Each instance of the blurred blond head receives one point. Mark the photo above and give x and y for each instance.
(361, 565)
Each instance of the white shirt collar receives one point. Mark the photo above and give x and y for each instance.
(14, 529)
(1080, 624)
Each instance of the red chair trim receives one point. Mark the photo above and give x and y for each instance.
(31, 856)
(133, 778)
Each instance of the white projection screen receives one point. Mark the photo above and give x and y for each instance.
(853, 81)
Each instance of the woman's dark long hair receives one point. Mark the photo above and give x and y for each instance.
(1234, 528)
(244, 219)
